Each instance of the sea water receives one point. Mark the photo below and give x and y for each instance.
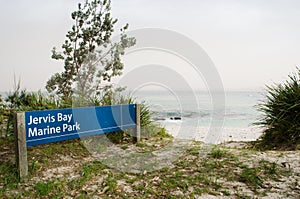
(198, 115)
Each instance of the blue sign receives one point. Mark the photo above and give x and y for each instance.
(64, 124)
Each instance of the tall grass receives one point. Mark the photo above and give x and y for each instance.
(26, 101)
(21, 100)
(281, 115)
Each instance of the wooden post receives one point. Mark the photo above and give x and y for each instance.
(20, 144)
(138, 124)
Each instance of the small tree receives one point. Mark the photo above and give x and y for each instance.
(93, 28)
(281, 115)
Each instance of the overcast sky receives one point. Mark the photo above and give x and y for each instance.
(251, 42)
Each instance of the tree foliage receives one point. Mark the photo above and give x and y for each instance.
(281, 115)
(86, 65)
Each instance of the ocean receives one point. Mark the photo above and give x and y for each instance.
(193, 115)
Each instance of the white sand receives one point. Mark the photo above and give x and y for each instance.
(214, 135)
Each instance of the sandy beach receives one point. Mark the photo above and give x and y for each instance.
(214, 135)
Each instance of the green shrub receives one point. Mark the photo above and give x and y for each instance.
(281, 115)
(218, 153)
(21, 100)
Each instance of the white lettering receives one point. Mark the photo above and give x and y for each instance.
(32, 133)
(44, 131)
(65, 126)
(68, 127)
(66, 118)
(39, 120)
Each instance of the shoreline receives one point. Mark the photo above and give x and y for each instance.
(217, 135)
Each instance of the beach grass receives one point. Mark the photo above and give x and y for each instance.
(223, 171)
